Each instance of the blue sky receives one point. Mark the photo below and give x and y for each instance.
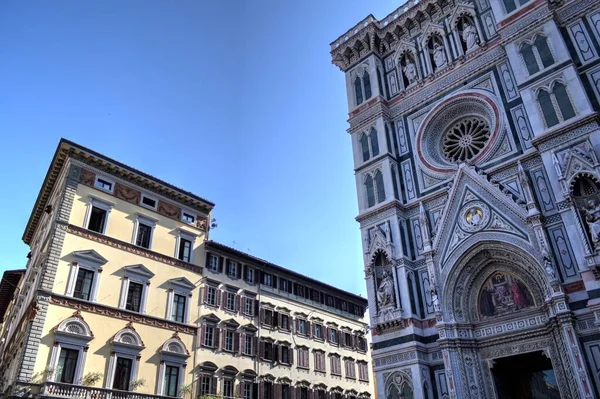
(236, 101)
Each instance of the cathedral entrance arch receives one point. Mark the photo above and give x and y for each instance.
(499, 313)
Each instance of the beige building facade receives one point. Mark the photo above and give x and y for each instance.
(124, 292)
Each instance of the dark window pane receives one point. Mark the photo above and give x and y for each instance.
(122, 374)
(143, 236)
(530, 61)
(185, 249)
(380, 188)
(564, 103)
(171, 380)
(370, 191)
(104, 184)
(97, 220)
(364, 143)
(134, 296)
(374, 142)
(367, 85)
(547, 108)
(67, 363)
(188, 218)
(544, 51)
(358, 90)
(179, 308)
(149, 201)
(83, 284)
(509, 5)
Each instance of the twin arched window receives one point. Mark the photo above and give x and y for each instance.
(375, 188)
(512, 5)
(537, 55)
(369, 145)
(362, 86)
(555, 105)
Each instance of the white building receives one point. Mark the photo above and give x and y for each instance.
(475, 134)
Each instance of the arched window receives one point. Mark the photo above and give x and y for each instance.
(529, 58)
(380, 187)
(367, 84)
(512, 5)
(541, 43)
(358, 91)
(556, 106)
(370, 191)
(364, 143)
(374, 142)
(537, 56)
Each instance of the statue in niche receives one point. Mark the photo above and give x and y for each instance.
(470, 36)
(410, 71)
(385, 291)
(439, 57)
(592, 218)
(435, 300)
(549, 268)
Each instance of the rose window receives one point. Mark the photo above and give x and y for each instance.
(465, 139)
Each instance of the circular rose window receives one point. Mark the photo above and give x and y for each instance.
(465, 139)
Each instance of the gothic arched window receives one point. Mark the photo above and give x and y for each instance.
(374, 142)
(358, 91)
(380, 187)
(541, 44)
(547, 107)
(512, 5)
(556, 105)
(537, 55)
(367, 85)
(564, 102)
(529, 58)
(364, 144)
(370, 191)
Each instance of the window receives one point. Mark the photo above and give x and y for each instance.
(148, 201)
(537, 55)
(230, 305)
(358, 91)
(367, 85)
(267, 279)
(335, 365)
(247, 391)
(374, 142)
(249, 306)
(171, 381)
(333, 336)
(178, 308)
(209, 336)
(249, 275)
(84, 284)
(211, 296)
(320, 361)
(556, 105)
(303, 357)
(213, 263)
(285, 355)
(143, 236)
(185, 250)
(380, 188)
(318, 331)
(268, 351)
(285, 322)
(134, 296)
(364, 143)
(188, 217)
(268, 317)
(284, 284)
(97, 220)
(229, 335)
(320, 394)
(122, 374)
(350, 369)
(512, 5)
(268, 390)
(228, 388)
(348, 341)
(67, 364)
(104, 184)
(231, 269)
(205, 386)
(285, 391)
(370, 191)
(248, 345)
(363, 371)
(301, 326)
(361, 343)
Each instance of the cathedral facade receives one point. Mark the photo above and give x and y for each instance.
(474, 127)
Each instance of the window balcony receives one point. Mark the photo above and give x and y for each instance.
(61, 390)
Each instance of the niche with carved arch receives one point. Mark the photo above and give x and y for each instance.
(503, 293)
(399, 386)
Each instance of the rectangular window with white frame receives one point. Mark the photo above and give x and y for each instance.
(213, 263)
(249, 306)
(179, 299)
(148, 202)
(84, 276)
(229, 340)
(96, 217)
(144, 231)
(104, 183)
(185, 246)
(188, 217)
(134, 288)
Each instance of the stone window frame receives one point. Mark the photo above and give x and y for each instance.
(181, 286)
(549, 88)
(230, 326)
(89, 260)
(186, 235)
(170, 357)
(336, 356)
(149, 221)
(150, 197)
(249, 330)
(128, 350)
(106, 179)
(518, 6)
(531, 41)
(65, 337)
(349, 365)
(283, 311)
(244, 298)
(372, 174)
(365, 364)
(303, 349)
(138, 274)
(316, 352)
(214, 285)
(101, 203)
(368, 135)
(211, 321)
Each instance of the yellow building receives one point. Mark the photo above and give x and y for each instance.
(124, 292)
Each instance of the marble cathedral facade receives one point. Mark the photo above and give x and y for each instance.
(476, 142)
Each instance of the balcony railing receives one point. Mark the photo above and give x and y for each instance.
(61, 390)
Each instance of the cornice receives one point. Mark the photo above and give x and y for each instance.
(125, 246)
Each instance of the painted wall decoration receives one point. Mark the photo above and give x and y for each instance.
(503, 293)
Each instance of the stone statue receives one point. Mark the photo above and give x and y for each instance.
(410, 71)
(592, 218)
(549, 268)
(470, 36)
(435, 301)
(385, 291)
(439, 57)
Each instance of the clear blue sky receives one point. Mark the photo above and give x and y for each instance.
(236, 101)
